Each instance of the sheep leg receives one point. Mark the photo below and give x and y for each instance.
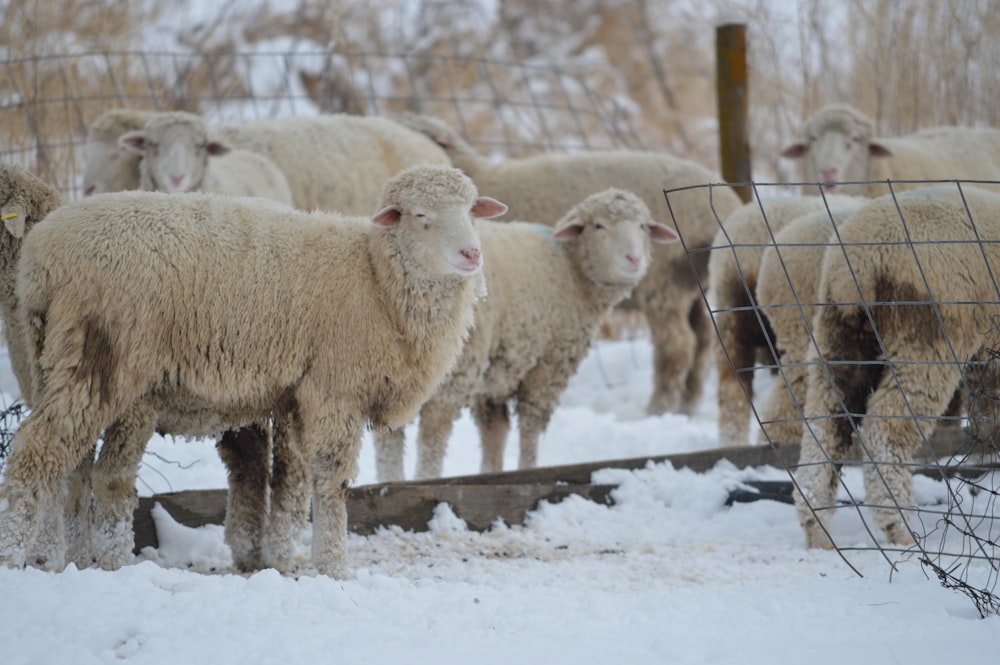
(704, 336)
(837, 391)
(114, 492)
(674, 344)
(493, 421)
(923, 390)
(48, 445)
(245, 453)
(735, 357)
(290, 496)
(533, 417)
(390, 446)
(333, 446)
(436, 420)
(781, 417)
(79, 512)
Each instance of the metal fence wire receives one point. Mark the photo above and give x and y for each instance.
(47, 102)
(864, 333)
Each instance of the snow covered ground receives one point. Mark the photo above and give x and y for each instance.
(667, 574)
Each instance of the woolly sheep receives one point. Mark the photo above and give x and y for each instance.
(904, 308)
(543, 187)
(838, 147)
(547, 292)
(373, 311)
(335, 162)
(107, 167)
(733, 268)
(178, 156)
(786, 294)
(24, 201)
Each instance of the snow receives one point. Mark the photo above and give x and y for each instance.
(668, 574)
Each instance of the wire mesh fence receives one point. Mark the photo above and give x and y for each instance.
(869, 328)
(47, 102)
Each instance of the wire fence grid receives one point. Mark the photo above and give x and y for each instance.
(47, 102)
(903, 362)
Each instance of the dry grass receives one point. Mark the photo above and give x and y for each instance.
(589, 73)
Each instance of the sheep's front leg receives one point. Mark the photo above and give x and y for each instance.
(291, 492)
(334, 445)
(246, 454)
(114, 491)
(674, 346)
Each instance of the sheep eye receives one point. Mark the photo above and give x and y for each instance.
(598, 226)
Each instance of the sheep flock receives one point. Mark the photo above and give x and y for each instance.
(413, 276)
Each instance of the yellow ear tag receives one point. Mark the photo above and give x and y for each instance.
(9, 215)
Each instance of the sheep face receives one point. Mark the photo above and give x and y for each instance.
(175, 150)
(613, 231)
(108, 167)
(440, 240)
(838, 147)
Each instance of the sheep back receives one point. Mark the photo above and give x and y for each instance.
(334, 162)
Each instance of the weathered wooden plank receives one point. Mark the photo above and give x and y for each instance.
(482, 499)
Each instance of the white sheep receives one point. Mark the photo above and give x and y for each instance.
(543, 187)
(24, 201)
(786, 293)
(745, 336)
(178, 156)
(108, 168)
(335, 162)
(909, 296)
(548, 289)
(144, 301)
(838, 148)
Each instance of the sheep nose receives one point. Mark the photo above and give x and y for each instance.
(472, 255)
(176, 181)
(829, 175)
(633, 260)
(89, 190)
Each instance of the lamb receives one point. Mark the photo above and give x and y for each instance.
(334, 162)
(908, 296)
(786, 293)
(524, 349)
(733, 269)
(166, 319)
(178, 156)
(839, 149)
(24, 201)
(543, 187)
(107, 167)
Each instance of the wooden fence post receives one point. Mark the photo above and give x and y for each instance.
(732, 94)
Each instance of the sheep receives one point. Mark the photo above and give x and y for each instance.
(786, 294)
(733, 268)
(839, 149)
(542, 187)
(177, 314)
(108, 168)
(335, 162)
(908, 297)
(178, 156)
(548, 289)
(25, 200)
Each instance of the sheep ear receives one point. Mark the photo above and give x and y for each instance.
(662, 233)
(13, 221)
(795, 151)
(133, 141)
(568, 229)
(217, 149)
(485, 208)
(387, 217)
(876, 149)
